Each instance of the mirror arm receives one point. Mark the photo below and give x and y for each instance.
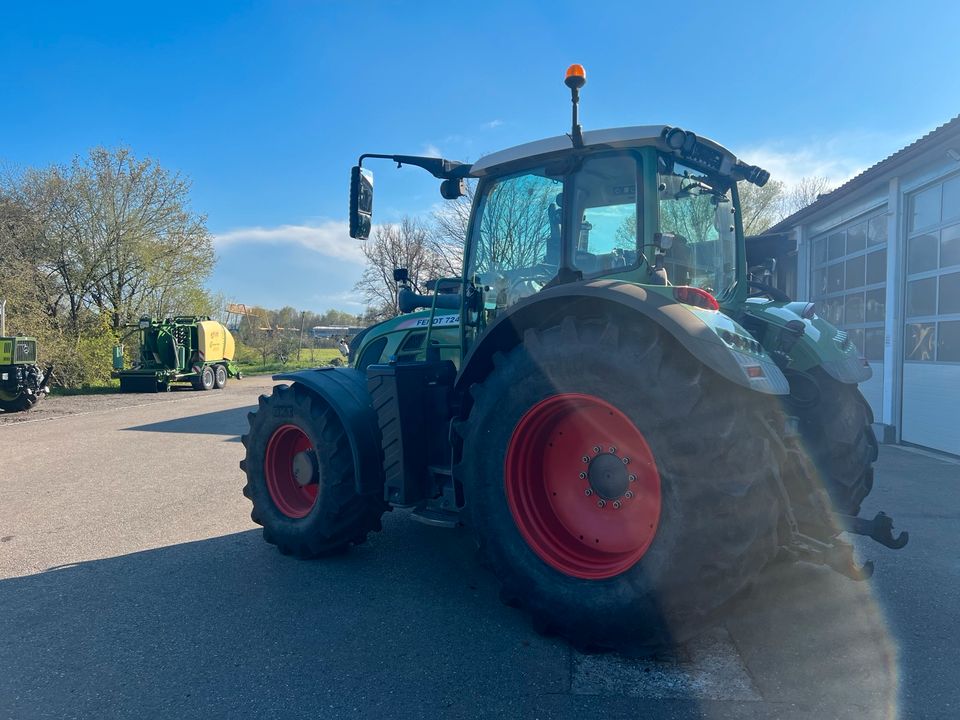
(438, 167)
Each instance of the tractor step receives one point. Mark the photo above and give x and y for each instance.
(435, 517)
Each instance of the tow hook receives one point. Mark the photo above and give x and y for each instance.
(879, 529)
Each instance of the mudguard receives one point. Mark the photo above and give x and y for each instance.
(712, 337)
(345, 391)
(820, 344)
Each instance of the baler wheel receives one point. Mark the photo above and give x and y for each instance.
(220, 377)
(207, 379)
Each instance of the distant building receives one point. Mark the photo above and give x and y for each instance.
(334, 331)
(880, 256)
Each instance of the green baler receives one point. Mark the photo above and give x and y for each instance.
(185, 349)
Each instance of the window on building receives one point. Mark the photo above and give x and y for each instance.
(932, 329)
(849, 281)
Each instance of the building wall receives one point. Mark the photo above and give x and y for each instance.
(885, 266)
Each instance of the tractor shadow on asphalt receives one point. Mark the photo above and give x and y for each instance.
(405, 625)
(232, 423)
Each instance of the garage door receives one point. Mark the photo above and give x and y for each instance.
(931, 370)
(849, 288)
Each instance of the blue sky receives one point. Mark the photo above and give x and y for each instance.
(265, 106)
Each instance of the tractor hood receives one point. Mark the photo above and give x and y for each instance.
(819, 344)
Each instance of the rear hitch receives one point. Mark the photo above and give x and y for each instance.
(836, 555)
(879, 529)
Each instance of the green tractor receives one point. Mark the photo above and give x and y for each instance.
(22, 381)
(631, 427)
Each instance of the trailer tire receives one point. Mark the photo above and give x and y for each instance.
(698, 453)
(836, 424)
(207, 380)
(306, 521)
(220, 377)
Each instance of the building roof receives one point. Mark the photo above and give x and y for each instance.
(888, 164)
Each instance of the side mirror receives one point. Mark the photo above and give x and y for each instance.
(664, 241)
(361, 202)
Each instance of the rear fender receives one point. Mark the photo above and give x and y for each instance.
(345, 391)
(737, 357)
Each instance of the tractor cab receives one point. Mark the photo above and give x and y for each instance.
(652, 205)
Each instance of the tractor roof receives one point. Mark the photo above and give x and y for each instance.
(609, 137)
(691, 149)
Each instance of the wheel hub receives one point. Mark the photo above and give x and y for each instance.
(305, 468)
(608, 476)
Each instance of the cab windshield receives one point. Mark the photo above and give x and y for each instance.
(519, 227)
(698, 212)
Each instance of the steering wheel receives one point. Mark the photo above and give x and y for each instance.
(769, 291)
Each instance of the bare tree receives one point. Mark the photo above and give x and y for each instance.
(806, 192)
(760, 207)
(407, 245)
(449, 225)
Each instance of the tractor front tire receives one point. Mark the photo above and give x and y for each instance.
(836, 424)
(219, 377)
(301, 478)
(21, 403)
(621, 491)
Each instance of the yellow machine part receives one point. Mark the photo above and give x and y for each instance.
(214, 341)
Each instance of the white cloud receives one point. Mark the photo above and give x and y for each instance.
(493, 124)
(330, 238)
(431, 150)
(837, 158)
(348, 299)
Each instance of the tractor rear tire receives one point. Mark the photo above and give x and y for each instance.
(21, 403)
(701, 524)
(294, 436)
(836, 426)
(219, 377)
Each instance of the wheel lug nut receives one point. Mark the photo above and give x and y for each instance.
(626, 461)
(633, 478)
(616, 504)
(628, 494)
(585, 459)
(588, 492)
(596, 448)
(601, 503)
(583, 476)
(613, 449)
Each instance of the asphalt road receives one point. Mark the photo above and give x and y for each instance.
(133, 585)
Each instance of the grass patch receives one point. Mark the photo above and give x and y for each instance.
(308, 359)
(112, 387)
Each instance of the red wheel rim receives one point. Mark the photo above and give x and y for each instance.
(582, 486)
(291, 498)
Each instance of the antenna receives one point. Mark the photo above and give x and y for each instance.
(576, 78)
